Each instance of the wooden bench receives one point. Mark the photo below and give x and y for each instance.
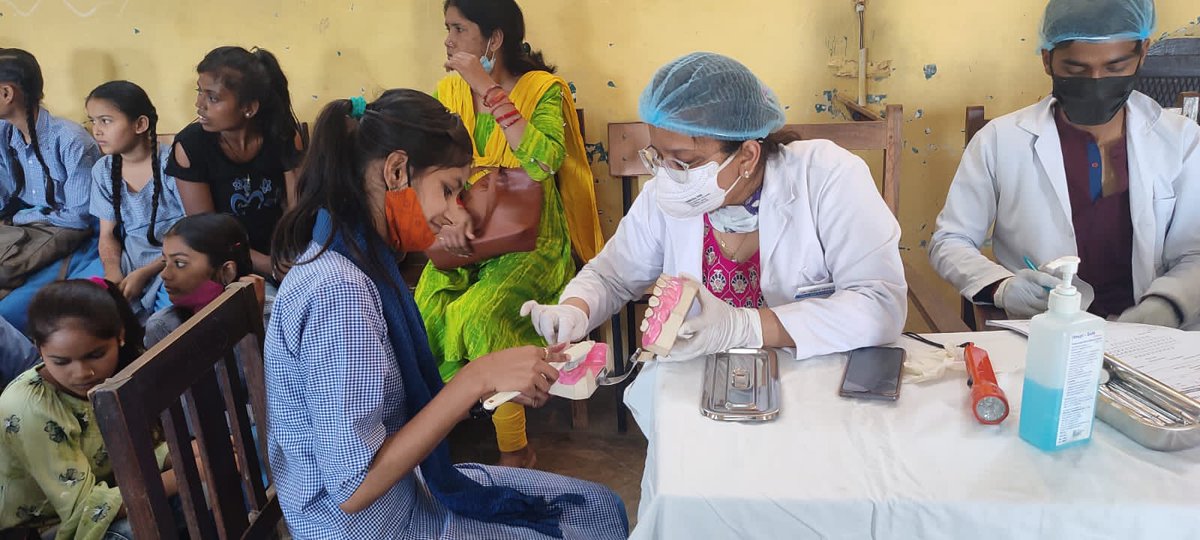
(194, 372)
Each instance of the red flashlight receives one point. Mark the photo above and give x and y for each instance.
(987, 399)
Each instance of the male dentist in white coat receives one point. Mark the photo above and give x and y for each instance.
(1095, 170)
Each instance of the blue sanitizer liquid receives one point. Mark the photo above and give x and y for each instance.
(1041, 411)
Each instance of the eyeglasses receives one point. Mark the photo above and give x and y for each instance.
(676, 170)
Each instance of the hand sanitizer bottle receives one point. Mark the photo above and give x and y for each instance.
(1062, 368)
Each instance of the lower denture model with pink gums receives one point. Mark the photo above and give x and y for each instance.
(672, 298)
(579, 382)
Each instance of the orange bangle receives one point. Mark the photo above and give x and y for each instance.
(500, 120)
(489, 103)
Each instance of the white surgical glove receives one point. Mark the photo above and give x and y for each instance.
(556, 324)
(1152, 310)
(718, 328)
(1024, 295)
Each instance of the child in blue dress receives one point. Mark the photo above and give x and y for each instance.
(45, 182)
(134, 200)
(358, 413)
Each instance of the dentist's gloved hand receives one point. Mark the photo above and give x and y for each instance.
(1024, 295)
(718, 328)
(1154, 310)
(556, 324)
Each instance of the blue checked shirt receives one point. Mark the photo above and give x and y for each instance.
(70, 153)
(334, 394)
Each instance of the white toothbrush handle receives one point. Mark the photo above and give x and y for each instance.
(499, 398)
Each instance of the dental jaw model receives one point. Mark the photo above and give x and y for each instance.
(577, 378)
(669, 305)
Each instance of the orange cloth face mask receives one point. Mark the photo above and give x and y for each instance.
(408, 230)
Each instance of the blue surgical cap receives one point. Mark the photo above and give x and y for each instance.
(709, 95)
(1096, 20)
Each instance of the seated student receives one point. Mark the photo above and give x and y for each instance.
(134, 201)
(48, 163)
(1095, 170)
(54, 469)
(17, 353)
(519, 115)
(201, 254)
(240, 158)
(354, 397)
(793, 244)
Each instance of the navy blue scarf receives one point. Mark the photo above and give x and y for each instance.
(461, 495)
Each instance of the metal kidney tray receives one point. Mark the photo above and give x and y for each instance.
(741, 385)
(1151, 413)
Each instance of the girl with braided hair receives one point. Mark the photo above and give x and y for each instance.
(45, 166)
(135, 201)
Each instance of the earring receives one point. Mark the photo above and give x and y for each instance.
(247, 115)
(745, 174)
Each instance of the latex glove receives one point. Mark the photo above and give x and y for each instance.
(556, 324)
(718, 328)
(1152, 310)
(1024, 295)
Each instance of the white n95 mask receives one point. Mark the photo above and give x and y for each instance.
(694, 192)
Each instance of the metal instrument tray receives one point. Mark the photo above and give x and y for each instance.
(741, 385)
(1151, 413)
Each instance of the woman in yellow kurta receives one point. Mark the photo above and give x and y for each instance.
(519, 115)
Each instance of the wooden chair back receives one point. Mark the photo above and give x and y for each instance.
(975, 121)
(192, 376)
(167, 139)
(976, 316)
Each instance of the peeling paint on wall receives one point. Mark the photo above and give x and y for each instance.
(930, 70)
(596, 152)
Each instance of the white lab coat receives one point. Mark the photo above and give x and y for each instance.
(821, 222)
(1012, 175)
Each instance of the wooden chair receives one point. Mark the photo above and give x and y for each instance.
(167, 139)
(975, 315)
(194, 372)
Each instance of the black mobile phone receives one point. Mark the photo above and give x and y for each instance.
(873, 373)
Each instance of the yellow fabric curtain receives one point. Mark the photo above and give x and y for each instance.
(575, 180)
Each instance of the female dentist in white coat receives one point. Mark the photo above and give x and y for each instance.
(1015, 175)
(793, 244)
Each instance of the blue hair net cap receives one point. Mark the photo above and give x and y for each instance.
(709, 95)
(1096, 20)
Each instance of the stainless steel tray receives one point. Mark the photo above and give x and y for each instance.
(1151, 413)
(741, 385)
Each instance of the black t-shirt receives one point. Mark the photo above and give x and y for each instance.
(253, 192)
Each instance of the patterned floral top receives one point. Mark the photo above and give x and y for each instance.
(53, 465)
(737, 283)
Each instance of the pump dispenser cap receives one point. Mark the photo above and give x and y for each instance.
(1065, 298)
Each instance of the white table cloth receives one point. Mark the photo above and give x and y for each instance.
(921, 467)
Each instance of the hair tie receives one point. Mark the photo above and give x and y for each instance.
(99, 281)
(358, 107)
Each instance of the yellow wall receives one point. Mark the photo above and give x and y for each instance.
(984, 52)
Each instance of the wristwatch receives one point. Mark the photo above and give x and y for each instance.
(478, 411)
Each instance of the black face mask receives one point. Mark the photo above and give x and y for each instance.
(1092, 102)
